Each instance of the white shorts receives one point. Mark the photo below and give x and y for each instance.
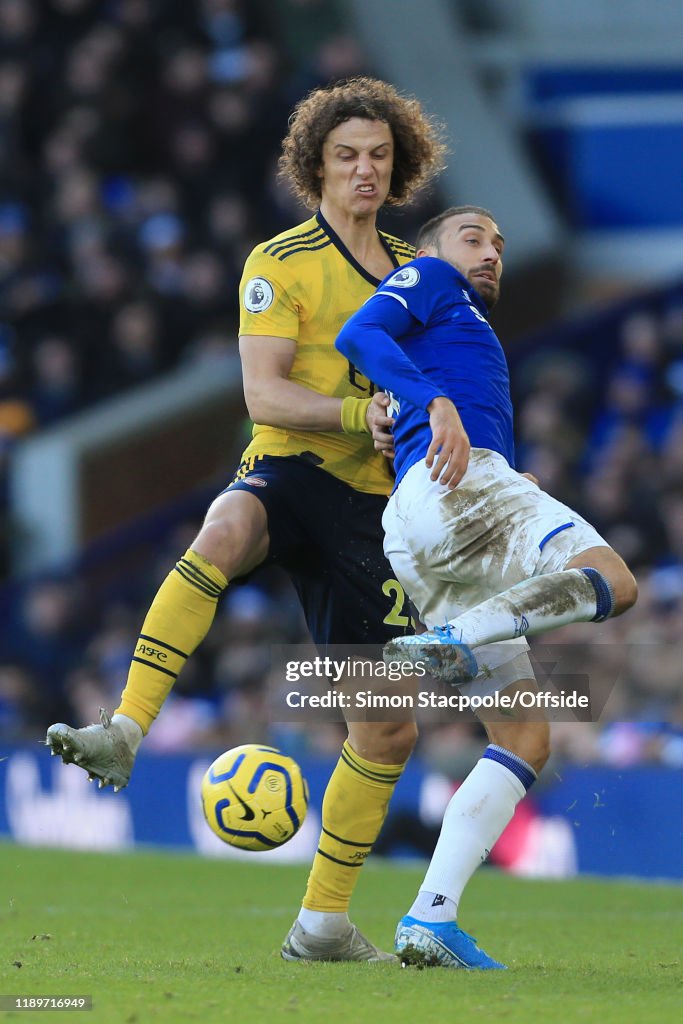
(452, 549)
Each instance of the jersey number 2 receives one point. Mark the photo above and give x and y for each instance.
(392, 588)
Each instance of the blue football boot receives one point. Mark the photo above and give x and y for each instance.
(442, 944)
(444, 656)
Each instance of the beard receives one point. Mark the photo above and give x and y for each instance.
(489, 291)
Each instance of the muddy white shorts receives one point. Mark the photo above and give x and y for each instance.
(452, 549)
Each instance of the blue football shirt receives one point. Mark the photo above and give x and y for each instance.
(425, 333)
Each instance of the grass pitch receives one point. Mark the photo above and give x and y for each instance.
(162, 937)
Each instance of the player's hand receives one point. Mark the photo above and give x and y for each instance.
(380, 424)
(449, 452)
(530, 476)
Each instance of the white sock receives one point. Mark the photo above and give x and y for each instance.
(534, 606)
(474, 819)
(132, 733)
(324, 924)
(432, 906)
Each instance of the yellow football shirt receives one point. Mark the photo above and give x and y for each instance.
(304, 285)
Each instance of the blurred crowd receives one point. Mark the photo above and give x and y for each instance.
(138, 142)
(138, 148)
(601, 425)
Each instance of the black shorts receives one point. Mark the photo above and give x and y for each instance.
(329, 538)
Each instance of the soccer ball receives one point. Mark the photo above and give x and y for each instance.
(254, 797)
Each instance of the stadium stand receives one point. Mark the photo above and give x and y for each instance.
(137, 150)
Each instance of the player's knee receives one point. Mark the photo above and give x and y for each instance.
(220, 534)
(403, 742)
(615, 586)
(540, 748)
(232, 539)
(530, 741)
(625, 591)
(383, 742)
(537, 748)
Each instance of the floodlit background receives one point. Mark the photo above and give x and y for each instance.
(138, 148)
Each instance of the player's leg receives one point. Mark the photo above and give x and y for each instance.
(483, 805)
(354, 808)
(573, 577)
(364, 605)
(595, 585)
(613, 569)
(474, 820)
(488, 559)
(232, 541)
(432, 571)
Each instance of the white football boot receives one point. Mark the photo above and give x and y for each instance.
(352, 945)
(105, 751)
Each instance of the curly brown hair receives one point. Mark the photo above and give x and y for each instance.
(418, 147)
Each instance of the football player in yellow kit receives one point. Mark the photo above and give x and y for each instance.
(310, 491)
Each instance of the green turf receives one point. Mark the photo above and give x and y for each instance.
(159, 937)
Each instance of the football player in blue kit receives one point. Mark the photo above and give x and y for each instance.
(486, 555)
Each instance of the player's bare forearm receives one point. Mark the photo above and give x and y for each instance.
(291, 406)
(272, 398)
(448, 454)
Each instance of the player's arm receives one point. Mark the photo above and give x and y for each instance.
(368, 339)
(274, 400)
(271, 302)
(449, 452)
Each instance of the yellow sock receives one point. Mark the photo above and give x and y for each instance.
(176, 623)
(354, 808)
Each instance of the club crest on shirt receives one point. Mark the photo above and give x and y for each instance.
(406, 277)
(258, 294)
